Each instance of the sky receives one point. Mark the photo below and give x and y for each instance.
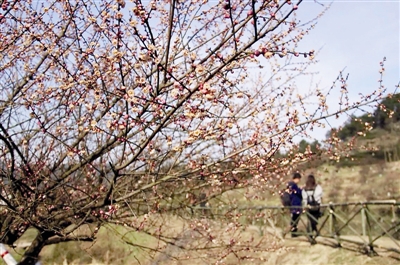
(354, 35)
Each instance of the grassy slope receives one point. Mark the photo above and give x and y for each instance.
(357, 183)
(360, 183)
(344, 184)
(109, 248)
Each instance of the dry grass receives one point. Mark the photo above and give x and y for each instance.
(359, 183)
(252, 245)
(345, 184)
(294, 252)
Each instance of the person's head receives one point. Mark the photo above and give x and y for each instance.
(296, 177)
(310, 183)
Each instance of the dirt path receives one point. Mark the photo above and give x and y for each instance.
(327, 252)
(171, 251)
(294, 251)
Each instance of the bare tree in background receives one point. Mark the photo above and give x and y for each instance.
(115, 112)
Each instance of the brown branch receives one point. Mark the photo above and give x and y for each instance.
(56, 240)
(254, 15)
(169, 36)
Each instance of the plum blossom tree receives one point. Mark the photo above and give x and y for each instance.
(116, 111)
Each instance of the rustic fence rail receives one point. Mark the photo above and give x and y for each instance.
(370, 224)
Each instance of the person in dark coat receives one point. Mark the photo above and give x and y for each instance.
(296, 200)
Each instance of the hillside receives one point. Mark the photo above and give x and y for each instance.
(359, 183)
(366, 182)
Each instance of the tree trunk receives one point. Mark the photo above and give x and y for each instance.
(31, 255)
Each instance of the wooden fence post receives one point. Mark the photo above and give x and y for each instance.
(393, 214)
(330, 219)
(369, 230)
(8, 259)
(363, 220)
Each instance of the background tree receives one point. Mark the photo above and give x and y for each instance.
(311, 148)
(356, 125)
(388, 111)
(122, 112)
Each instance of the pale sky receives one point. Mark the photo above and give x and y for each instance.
(355, 35)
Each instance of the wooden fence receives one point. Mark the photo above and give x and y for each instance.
(371, 224)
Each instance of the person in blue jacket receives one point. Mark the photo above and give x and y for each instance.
(296, 200)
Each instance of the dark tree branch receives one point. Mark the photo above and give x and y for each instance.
(56, 240)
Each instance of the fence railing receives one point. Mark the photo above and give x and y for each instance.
(371, 224)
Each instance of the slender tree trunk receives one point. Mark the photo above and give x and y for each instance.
(32, 253)
(385, 154)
